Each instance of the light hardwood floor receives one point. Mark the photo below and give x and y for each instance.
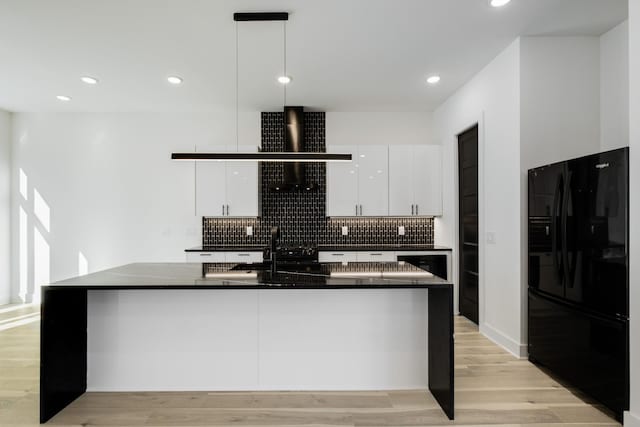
(492, 388)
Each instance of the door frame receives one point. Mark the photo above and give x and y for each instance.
(479, 121)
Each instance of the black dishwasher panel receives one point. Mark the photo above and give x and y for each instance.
(436, 264)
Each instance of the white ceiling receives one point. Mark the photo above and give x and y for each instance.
(343, 55)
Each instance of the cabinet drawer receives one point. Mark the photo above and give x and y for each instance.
(205, 257)
(376, 256)
(246, 257)
(337, 256)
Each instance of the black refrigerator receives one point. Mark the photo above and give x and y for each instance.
(578, 238)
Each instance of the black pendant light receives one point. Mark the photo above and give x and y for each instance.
(300, 157)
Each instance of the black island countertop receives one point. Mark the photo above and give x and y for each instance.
(346, 248)
(354, 275)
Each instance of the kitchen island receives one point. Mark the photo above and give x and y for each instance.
(227, 326)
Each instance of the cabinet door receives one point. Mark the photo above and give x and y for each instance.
(344, 256)
(205, 257)
(243, 257)
(376, 256)
(210, 183)
(401, 180)
(373, 180)
(242, 186)
(342, 183)
(427, 179)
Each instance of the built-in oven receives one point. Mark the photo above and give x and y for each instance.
(433, 263)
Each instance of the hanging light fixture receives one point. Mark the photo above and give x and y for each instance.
(300, 157)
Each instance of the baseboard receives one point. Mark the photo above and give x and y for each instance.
(631, 420)
(517, 349)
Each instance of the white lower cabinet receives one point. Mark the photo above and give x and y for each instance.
(338, 256)
(246, 257)
(205, 257)
(384, 256)
(357, 256)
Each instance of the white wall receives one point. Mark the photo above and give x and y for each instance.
(5, 206)
(112, 193)
(614, 88)
(560, 98)
(379, 128)
(632, 419)
(492, 99)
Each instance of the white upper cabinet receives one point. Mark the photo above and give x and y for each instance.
(360, 187)
(242, 186)
(415, 180)
(373, 180)
(342, 183)
(427, 180)
(226, 188)
(210, 185)
(401, 201)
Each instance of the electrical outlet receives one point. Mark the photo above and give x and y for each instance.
(401, 230)
(491, 237)
(249, 230)
(345, 230)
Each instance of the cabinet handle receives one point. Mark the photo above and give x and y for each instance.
(222, 210)
(337, 254)
(205, 254)
(360, 210)
(244, 254)
(411, 209)
(376, 254)
(417, 210)
(356, 210)
(227, 210)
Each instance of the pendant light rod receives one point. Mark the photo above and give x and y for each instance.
(261, 16)
(261, 156)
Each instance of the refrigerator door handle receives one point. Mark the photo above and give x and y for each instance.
(557, 198)
(568, 276)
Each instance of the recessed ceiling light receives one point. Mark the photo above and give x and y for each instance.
(63, 98)
(174, 80)
(433, 79)
(285, 80)
(498, 3)
(89, 80)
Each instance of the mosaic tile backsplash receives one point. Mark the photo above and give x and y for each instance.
(301, 216)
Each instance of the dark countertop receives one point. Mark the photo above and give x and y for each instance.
(346, 248)
(358, 275)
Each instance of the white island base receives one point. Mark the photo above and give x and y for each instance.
(209, 340)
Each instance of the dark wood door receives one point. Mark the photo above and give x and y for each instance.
(468, 213)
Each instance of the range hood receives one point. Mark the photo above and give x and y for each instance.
(294, 173)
